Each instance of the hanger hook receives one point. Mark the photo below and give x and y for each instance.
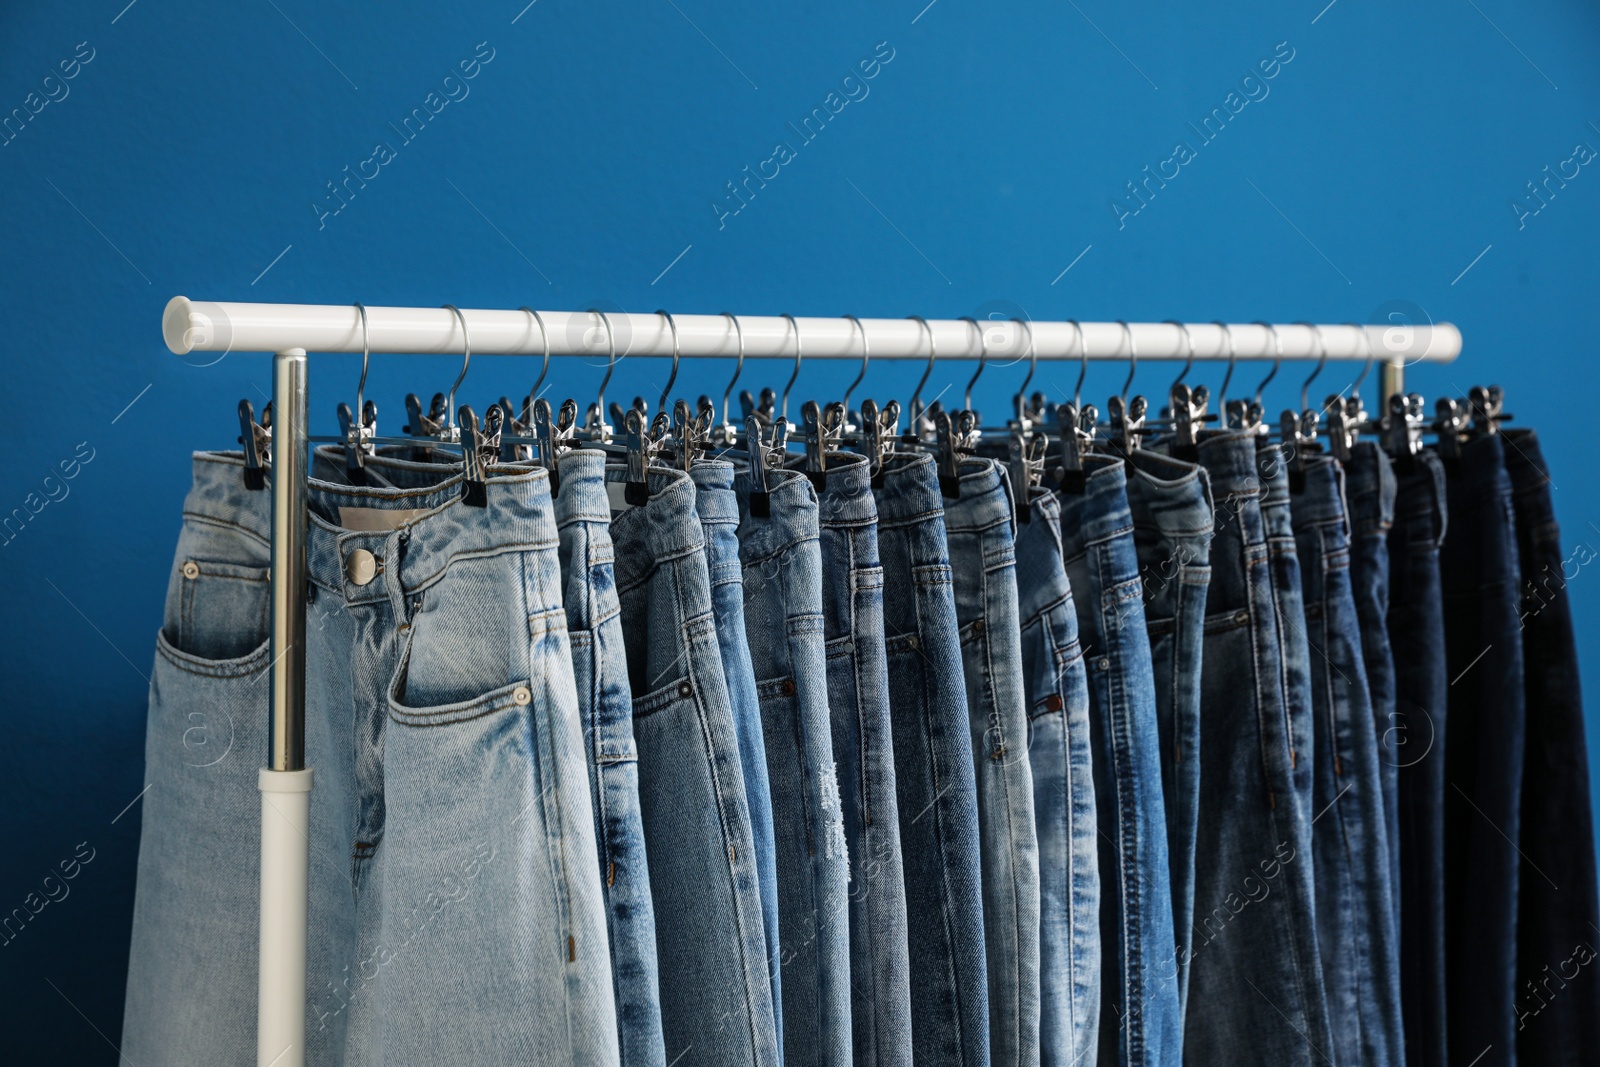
(666, 390)
(1372, 357)
(866, 357)
(366, 355)
(783, 410)
(1276, 363)
(916, 394)
(983, 359)
(1233, 357)
(1133, 359)
(1083, 364)
(544, 334)
(611, 359)
(466, 361)
(1322, 358)
(1189, 337)
(737, 370)
(1033, 364)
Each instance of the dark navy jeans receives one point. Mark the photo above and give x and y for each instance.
(1558, 928)
(1483, 759)
(1417, 741)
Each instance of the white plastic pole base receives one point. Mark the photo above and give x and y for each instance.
(285, 855)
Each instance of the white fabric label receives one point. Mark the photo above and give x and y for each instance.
(378, 520)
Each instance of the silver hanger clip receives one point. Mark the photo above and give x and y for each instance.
(1402, 428)
(756, 454)
(358, 439)
(1127, 424)
(1488, 409)
(480, 448)
(256, 438)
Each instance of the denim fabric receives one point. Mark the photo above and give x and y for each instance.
(1370, 491)
(1170, 501)
(1558, 993)
(933, 771)
(1483, 758)
(1416, 635)
(1255, 976)
(605, 707)
(783, 619)
(1140, 1018)
(716, 993)
(1356, 934)
(979, 530)
(718, 508)
(1289, 598)
(863, 746)
(1056, 687)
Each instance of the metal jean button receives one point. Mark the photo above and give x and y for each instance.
(361, 566)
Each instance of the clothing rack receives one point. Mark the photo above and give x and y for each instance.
(291, 330)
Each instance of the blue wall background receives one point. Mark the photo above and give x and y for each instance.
(580, 168)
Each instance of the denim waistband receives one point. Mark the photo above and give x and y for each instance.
(1320, 501)
(985, 500)
(583, 496)
(793, 517)
(1370, 487)
(716, 501)
(1170, 495)
(847, 497)
(1101, 511)
(664, 528)
(1420, 496)
(1230, 461)
(910, 492)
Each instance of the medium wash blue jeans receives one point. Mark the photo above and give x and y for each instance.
(718, 508)
(933, 771)
(1416, 634)
(783, 619)
(1170, 501)
(1056, 687)
(1356, 933)
(1558, 996)
(716, 993)
(1140, 1018)
(605, 706)
(1484, 755)
(1289, 599)
(863, 746)
(1255, 976)
(979, 528)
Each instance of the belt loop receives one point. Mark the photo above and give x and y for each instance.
(1344, 501)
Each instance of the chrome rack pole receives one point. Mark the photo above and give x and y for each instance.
(285, 782)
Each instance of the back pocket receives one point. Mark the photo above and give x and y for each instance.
(218, 599)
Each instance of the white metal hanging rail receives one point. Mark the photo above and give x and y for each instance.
(291, 330)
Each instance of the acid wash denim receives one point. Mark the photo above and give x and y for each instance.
(1056, 687)
(783, 620)
(1370, 491)
(1483, 759)
(716, 993)
(1356, 933)
(446, 778)
(605, 706)
(1140, 1020)
(1558, 994)
(979, 529)
(1255, 977)
(933, 771)
(1170, 501)
(718, 508)
(1421, 685)
(863, 746)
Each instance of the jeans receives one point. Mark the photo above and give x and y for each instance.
(1421, 682)
(1170, 501)
(1483, 758)
(783, 619)
(1289, 598)
(1370, 489)
(1140, 1019)
(605, 707)
(980, 532)
(718, 508)
(933, 771)
(1056, 688)
(1255, 976)
(1356, 934)
(863, 746)
(1559, 1023)
(716, 993)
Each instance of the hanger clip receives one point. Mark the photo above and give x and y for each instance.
(1402, 428)
(256, 437)
(643, 445)
(1026, 454)
(1345, 416)
(358, 443)
(1451, 422)
(824, 431)
(1076, 436)
(756, 453)
(956, 437)
(480, 447)
(1127, 423)
(1487, 409)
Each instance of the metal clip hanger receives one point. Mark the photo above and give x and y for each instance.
(524, 427)
(1402, 429)
(1298, 431)
(480, 448)
(358, 430)
(1186, 407)
(1451, 423)
(1488, 409)
(1026, 445)
(256, 438)
(595, 426)
(1347, 415)
(918, 426)
(880, 431)
(1126, 417)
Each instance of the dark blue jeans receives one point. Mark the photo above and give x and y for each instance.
(1140, 1019)
(1289, 598)
(1255, 976)
(933, 771)
(1172, 529)
(1483, 759)
(863, 745)
(1356, 934)
(1558, 913)
(1417, 741)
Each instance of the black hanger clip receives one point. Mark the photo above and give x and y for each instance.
(480, 447)
(256, 437)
